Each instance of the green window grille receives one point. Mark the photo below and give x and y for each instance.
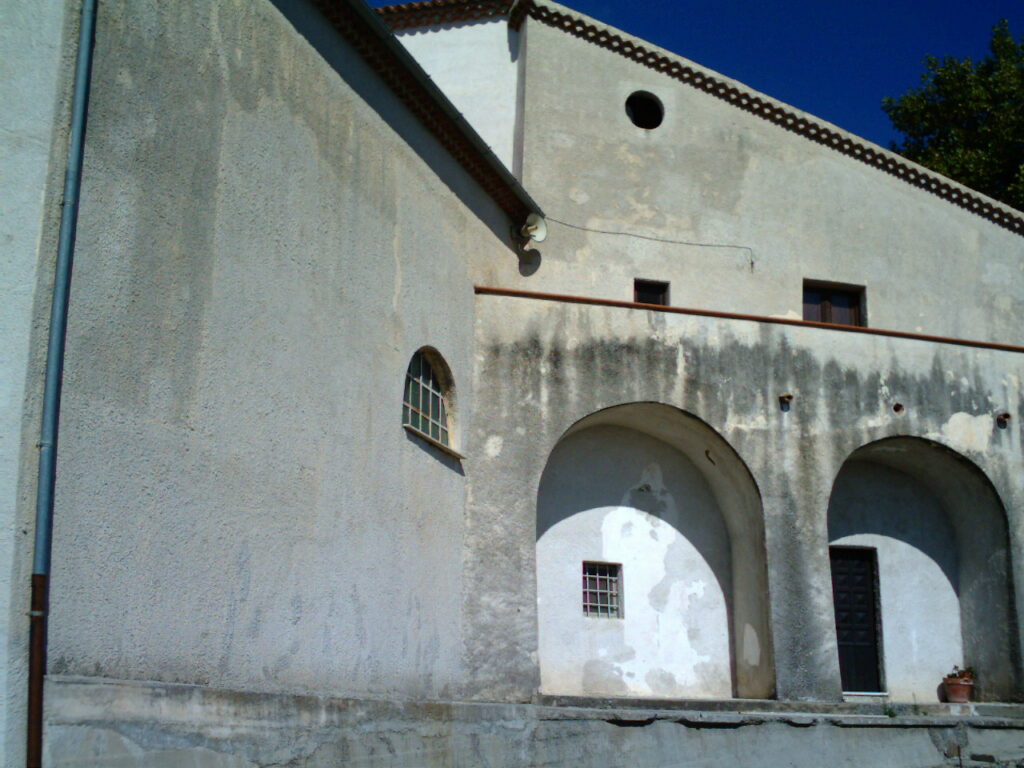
(424, 408)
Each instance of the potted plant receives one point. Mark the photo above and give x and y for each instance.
(959, 684)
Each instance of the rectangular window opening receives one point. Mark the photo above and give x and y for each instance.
(602, 590)
(650, 292)
(834, 303)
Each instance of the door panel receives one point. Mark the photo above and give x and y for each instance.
(854, 573)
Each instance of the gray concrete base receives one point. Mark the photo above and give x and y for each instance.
(92, 722)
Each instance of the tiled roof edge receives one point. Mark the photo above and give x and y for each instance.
(436, 12)
(885, 161)
(374, 42)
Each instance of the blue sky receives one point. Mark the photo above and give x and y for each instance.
(836, 59)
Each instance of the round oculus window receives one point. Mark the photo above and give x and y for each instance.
(645, 110)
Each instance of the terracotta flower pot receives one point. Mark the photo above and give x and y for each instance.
(958, 689)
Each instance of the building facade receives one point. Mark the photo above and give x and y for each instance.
(726, 469)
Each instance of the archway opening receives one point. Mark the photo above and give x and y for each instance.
(651, 572)
(921, 572)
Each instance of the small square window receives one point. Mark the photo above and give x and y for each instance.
(834, 303)
(602, 584)
(650, 292)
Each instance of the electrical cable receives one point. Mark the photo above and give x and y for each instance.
(748, 249)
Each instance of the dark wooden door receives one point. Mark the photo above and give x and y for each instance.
(854, 573)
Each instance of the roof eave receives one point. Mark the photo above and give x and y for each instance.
(376, 44)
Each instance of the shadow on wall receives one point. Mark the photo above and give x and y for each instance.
(939, 533)
(615, 467)
(357, 75)
(452, 463)
(638, 487)
(872, 498)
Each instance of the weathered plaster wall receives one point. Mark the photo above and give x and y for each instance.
(657, 204)
(476, 64)
(266, 239)
(139, 725)
(34, 68)
(611, 494)
(546, 365)
(624, 203)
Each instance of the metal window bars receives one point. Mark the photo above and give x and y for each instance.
(601, 590)
(423, 407)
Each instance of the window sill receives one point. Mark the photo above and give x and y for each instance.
(436, 443)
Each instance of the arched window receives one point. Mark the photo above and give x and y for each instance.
(424, 406)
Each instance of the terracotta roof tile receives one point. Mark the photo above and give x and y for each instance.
(435, 12)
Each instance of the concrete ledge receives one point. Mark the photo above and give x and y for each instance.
(918, 713)
(96, 722)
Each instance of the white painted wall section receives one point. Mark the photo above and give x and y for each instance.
(475, 64)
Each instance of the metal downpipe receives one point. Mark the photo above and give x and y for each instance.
(52, 391)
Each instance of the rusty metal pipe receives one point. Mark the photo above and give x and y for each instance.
(36, 668)
(489, 291)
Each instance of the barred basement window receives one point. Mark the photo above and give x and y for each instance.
(602, 589)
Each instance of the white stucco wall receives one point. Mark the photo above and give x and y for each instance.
(475, 64)
(30, 77)
(878, 507)
(616, 495)
(261, 251)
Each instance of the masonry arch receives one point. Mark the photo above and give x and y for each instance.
(936, 530)
(659, 494)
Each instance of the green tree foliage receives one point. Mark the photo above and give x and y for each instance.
(966, 121)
